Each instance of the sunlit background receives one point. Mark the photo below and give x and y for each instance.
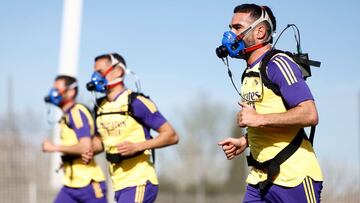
(171, 46)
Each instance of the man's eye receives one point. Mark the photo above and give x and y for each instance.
(236, 27)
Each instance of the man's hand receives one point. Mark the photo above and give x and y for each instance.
(47, 146)
(247, 116)
(233, 146)
(87, 156)
(127, 148)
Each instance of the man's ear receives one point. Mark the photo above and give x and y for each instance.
(261, 32)
(120, 71)
(71, 93)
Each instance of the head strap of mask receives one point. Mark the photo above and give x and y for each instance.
(127, 71)
(72, 86)
(114, 63)
(263, 17)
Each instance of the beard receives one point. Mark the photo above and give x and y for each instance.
(249, 41)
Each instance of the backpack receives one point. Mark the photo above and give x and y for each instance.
(117, 158)
(301, 59)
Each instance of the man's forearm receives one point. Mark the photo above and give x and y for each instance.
(97, 145)
(303, 115)
(74, 149)
(167, 136)
(77, 149)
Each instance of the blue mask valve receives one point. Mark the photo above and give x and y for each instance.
(232, 45)
(54, 97)
(98, 83)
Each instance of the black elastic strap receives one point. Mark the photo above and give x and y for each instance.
(312, 134)
(131, 98)
(249, 74)
(98, 102)
(153, 155)
(69, 159)
(116, 112)
(272, 166)
(118, 158)
(65, 120)
(263, 71)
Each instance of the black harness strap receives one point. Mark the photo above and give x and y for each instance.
(249, 74)
(263, 71)
(312, 134)
(272, 166)
(132, 97)
(65, 120)
(117, 158)
(130, 112)
(301, 60)
(116, 112)
(70, 160)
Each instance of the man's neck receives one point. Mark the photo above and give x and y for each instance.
(258, 53)
(68, 105)
(114, 92)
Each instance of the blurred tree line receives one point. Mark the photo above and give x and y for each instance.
(24, 170)
(198, 165)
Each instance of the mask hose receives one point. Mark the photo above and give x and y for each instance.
(226, 63)
(50, 113)
(137, 79)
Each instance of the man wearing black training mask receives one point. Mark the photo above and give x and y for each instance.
(284, 165)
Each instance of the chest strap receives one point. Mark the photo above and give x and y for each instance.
(118, 158)
(272, 167)
(70, 160)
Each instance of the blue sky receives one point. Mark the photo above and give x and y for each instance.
(170, 45)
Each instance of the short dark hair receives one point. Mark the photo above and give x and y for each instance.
(69, 80)
(115, 55)
(255, 13)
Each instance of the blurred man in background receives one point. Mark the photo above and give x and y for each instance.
(83, 183)
(124, 119)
